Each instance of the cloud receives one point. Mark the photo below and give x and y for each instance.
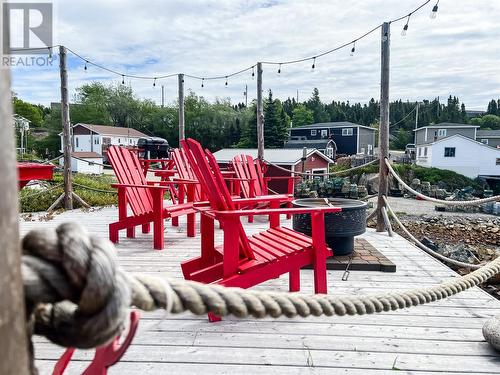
(456, 54)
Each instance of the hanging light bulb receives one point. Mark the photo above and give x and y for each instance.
(85, 67)
(353, 49)
(434, 11)
(253, 71)
(202, 82)
(313, 64)
(279, 69)
(405, 27)
(123, 79)
(154, 82)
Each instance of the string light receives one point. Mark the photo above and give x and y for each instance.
(351, 43)
(405, 27)
(154, 82)
(202, 82)
(50, 52)
(434, 11)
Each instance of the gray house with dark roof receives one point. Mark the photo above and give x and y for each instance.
(489, 137)
(435, 132)
(333, 138)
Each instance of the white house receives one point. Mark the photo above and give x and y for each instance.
(90, 142)
(460, 154)
(87, 164)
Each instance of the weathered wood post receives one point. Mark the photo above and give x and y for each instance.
(181, 108)
(66, 127)
(260, 115)
(13, 342)
(384, 123)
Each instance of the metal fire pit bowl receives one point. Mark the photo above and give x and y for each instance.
(340, 227)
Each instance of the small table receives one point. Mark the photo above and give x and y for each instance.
(28, 171)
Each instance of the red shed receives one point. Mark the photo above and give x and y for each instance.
(291, 159)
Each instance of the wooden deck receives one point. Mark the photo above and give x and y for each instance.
(443, 337)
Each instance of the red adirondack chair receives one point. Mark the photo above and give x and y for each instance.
(145, 199)
(243, 261)
(255, 184)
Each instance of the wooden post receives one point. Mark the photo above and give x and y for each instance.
(384, 123)
(68, 188)
(260, 115)
(181, 108)
(13, 342)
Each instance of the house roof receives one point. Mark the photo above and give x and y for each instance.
(488, 134)
(113, 130)
(337, 124)
(459, 136)
(278, 156)
(448, 125)
(85, 154)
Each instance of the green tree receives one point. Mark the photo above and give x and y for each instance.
(33, 113)
(317, 107)
(302, 116)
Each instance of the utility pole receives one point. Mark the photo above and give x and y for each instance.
(68, 187)
(297, 96)
(260, 115)
(181, 108)
(162, 96)
(384, 123)
(416, 124)
(68, 195)
(246, 95)
(14, 343)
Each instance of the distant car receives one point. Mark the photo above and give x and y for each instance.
(410, 148)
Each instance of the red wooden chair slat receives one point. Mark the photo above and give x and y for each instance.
(243, 261)
(146, 202)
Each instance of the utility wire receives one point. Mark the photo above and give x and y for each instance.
(252, 67)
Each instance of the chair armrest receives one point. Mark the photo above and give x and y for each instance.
(269, 211)
(124, 186)
(263, 198)
(185, 181)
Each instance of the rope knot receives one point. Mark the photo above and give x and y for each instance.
(87, 294)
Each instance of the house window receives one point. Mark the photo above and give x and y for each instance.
(420, 151)
(313, 132)
(96, 141)
(324, 133)
(370, 149)
(119, 141)
(76, 140)
(347, 131)
(449, 152)
(497, 161)
(484, 140)
(441, 132)
(329, 152)
(425, 151)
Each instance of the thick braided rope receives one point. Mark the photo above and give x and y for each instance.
(435, 200)
(323, 174)
(425, 248)
(82, 295)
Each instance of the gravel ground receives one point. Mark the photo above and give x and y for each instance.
(419, 208)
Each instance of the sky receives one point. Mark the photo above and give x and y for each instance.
(457, 53)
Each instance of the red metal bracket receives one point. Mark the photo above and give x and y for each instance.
(105, 356)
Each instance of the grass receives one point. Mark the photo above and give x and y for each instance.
(41, 202)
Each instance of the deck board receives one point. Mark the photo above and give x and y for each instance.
(442, 337)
